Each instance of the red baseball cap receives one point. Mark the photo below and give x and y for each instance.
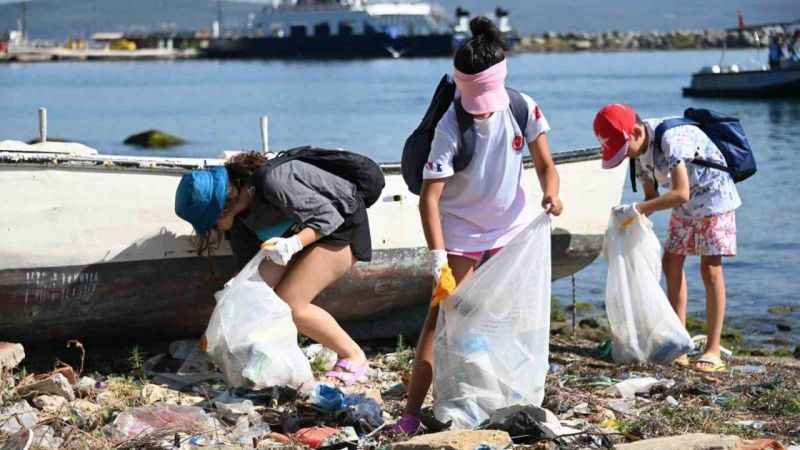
(613, 126)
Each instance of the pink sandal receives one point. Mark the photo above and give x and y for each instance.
(350, 373)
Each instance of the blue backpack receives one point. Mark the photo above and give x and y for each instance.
(418, 146)
(727, 134)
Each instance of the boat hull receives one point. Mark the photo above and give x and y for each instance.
(96, 252)
(378, 45)
(748, 84)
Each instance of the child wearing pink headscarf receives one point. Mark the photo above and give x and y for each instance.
(471, 214)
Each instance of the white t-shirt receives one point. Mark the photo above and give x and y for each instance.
(484, 206)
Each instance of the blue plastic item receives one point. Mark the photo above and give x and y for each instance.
(328, 398)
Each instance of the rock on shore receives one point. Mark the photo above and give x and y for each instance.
(153, 139)
(634, 40)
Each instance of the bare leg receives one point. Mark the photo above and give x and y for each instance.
(312, 271)
(714, 281)
(676, 283)
(272, 273)
(422, 371)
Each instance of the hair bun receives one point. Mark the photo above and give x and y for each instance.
(482, 26)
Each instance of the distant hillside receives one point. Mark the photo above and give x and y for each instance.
(57, 19)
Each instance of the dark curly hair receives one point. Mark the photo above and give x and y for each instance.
(242, 166)
(485, 49)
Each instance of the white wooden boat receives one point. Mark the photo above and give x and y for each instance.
(90, 247)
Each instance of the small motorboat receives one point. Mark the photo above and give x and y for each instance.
(734, 81)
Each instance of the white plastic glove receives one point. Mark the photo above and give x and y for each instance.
(625, 214)
(438, 262)
(281, 250)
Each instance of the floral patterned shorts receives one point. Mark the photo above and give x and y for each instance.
(706, 236)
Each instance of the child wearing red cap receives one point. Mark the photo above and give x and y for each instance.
(469, 215)
(703, 202)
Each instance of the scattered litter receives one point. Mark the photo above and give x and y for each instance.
(232, 408)
(610, 424)
(754, 424)
(321, 358)
(749, 369)
(523, 423)
(20, 440)
(359, 408)
(623, 406)
(582, 409)
(314, 436)
(157, 420)
(629, 388)
(364, 411)
(17, 416)
(247, 430)
(358, 417)
(327, 397)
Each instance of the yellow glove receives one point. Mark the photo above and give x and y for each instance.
(446, 286)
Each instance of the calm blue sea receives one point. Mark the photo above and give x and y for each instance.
(370, 107)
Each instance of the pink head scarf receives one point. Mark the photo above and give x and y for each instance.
(484, 92)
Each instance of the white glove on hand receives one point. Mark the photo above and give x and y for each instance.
(438, 262)
(625, 214)
(281, 250)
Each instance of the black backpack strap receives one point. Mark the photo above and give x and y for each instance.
(519, 109)
(712, 165)
(466, 147)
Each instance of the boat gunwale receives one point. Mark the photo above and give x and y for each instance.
(159, 165)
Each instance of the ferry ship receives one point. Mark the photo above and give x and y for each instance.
(349, 29)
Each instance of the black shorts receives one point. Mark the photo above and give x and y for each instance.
(353, 232)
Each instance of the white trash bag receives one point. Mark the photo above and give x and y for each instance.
(251, 336)
(643, 324)
(492, 333)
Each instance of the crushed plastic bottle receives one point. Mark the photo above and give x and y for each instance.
(364, 410)
(328, 398)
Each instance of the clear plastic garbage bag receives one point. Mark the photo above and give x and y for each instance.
(251, 336)
(492, 333)
(643, 324)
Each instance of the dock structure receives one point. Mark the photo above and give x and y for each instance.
(109, 46)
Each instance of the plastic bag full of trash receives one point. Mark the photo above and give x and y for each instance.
(643, 324)
(492, 333)
(251, 336)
